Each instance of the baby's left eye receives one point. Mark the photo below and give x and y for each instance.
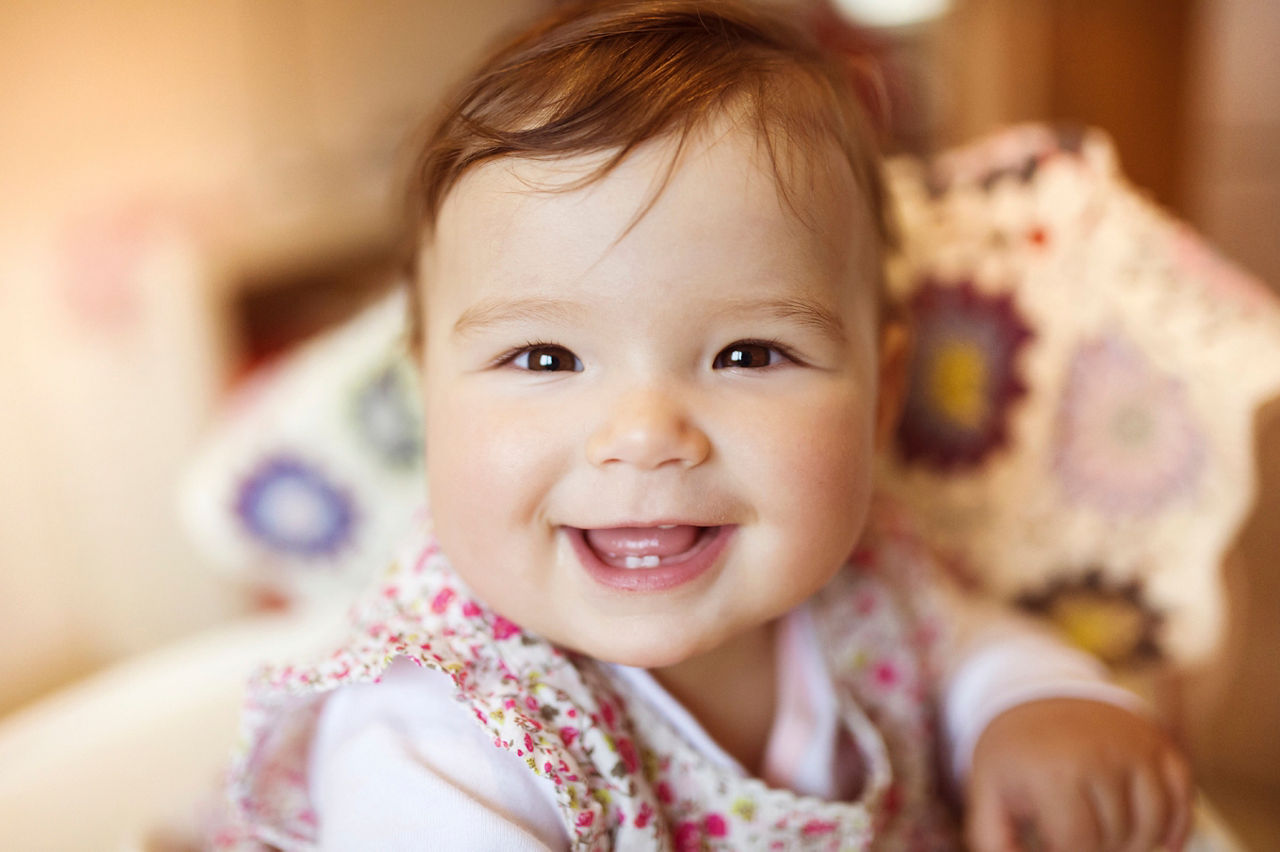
(546, 358)
(751, 354)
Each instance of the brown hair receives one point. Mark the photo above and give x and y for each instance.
(605, 77)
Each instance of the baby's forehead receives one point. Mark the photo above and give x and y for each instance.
(701, 226)
(730, 171)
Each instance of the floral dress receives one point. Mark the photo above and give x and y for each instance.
(622, 776)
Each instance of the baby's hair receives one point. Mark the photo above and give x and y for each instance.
(606, 77)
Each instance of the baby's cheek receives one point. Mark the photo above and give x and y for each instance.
(833, 448)
(492, 464)
(475, 507)
(823, 474)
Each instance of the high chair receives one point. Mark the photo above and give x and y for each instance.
(1077, 438)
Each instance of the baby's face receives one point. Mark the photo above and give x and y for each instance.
(644, 443)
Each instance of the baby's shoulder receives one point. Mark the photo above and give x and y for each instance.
(408, 698)
(408, 742)
(439, 703)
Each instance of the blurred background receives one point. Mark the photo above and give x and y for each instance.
(188, 188)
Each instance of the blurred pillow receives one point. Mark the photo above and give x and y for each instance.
(315, 469)
(1078, 429)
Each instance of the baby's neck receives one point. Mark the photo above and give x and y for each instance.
(732, 692)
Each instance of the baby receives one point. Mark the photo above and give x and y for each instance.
(657, 605)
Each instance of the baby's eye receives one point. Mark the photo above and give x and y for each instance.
(750, 354)
(546, 359)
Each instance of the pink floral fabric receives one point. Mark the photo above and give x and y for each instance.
(623, 777)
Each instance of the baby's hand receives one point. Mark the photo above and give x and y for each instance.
(1067, 775)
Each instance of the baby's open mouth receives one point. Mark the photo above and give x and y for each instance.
(647, 547)
(649, 558)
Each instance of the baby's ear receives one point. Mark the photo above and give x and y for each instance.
(413, 319)
(895, 363)
(414, 340)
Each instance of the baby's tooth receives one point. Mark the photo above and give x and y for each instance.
(651, 561)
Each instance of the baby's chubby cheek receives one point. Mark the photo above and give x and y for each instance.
(819, 471)
(491, 472)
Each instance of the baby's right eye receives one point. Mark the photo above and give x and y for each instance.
(546, 359)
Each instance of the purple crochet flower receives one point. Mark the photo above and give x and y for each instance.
(1126, 441)
(386, 419)
(293, 508)
(964, 375)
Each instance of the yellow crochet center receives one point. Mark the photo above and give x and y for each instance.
(958, 383)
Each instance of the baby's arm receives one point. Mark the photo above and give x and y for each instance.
(400, 765)
(1046, 747)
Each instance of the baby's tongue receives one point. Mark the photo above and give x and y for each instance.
(621, 542)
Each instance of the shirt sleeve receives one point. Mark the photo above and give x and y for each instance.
(399, 765)
(989, 659)
(1016, 667)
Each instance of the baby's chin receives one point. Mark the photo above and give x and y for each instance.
(641, 658)
(653, 645)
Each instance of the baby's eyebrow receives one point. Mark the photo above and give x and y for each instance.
(498, 312)
(803, 311)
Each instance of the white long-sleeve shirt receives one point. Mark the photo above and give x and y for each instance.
(394, 762)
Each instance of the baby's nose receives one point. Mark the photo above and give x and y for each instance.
(648, 428)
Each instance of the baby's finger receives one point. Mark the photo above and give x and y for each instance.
(990, 826)
(1177, 776)
(1066, 821)
(1149, 806)
(1110, 800)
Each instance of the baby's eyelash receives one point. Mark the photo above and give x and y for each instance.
(768, 343)
(772, 343)
(512, 353)
(554, 358)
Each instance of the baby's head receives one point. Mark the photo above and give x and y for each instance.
(648, 290)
